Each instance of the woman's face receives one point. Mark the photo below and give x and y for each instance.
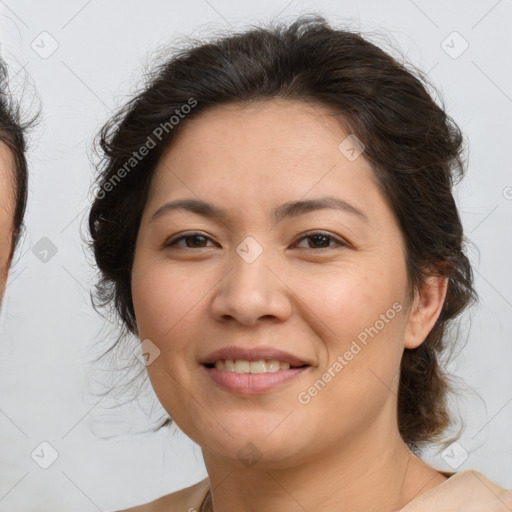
(282, 268)
(6, 213)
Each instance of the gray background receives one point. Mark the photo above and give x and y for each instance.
(106, 459)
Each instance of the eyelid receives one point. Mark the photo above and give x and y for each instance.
(308, 234)
(178, 236)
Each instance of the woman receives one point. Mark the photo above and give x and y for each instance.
(274, 220)
(13, 177)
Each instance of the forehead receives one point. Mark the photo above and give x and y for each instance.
(274, 146)
(275, 125)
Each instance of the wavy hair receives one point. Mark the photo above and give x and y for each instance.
(413, 146)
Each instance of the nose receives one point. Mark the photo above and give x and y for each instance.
(251, 291)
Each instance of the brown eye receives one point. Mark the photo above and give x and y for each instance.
(192, 240)
(321, 240)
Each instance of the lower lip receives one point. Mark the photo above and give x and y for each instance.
(253, 383)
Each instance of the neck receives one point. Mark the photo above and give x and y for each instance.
(371, 473)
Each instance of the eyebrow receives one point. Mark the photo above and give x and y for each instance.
(289, 209)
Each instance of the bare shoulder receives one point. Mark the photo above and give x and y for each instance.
(502, 496)
(184, 500)
(468, 490)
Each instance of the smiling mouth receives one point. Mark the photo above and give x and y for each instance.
(260, 366)
(244, 377)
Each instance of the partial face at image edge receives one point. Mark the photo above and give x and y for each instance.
(7, 206)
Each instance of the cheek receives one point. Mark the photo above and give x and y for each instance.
(352, 299)
(169, 303)
(160, 303)
(361, 319)
(362, 336)
(164, 308)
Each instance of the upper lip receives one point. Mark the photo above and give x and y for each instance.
(253, 354)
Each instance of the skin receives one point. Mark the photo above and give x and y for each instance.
(7, 206)
(311, 297)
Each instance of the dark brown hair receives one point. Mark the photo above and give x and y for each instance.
(12, 131)
(414, 147)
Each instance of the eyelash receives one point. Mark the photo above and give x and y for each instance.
(307, 235)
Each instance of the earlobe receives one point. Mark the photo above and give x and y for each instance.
(425, 310)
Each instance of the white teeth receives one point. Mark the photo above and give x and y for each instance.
(242, 366)
(273, 366)
(258, 367)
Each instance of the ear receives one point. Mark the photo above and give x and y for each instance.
(425, 310)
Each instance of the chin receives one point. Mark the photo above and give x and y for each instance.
(256, 452)
(270, 442)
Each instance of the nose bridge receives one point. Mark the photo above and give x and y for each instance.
(251, 290)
